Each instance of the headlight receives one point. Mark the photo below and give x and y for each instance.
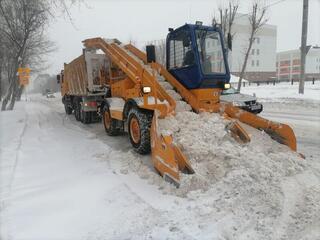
(227, 86)
(146, 89)
(238, 104)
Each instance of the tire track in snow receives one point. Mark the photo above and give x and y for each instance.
(5, 201)
(18, 149)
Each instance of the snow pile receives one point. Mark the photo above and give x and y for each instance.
(214, 153)
(259, 190)
(246, 183)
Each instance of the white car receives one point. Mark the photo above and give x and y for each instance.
(50, 95)
(243, 101)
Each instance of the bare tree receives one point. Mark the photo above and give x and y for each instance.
(22, 29)
(257, 18)
(226, 19)
(21, 22)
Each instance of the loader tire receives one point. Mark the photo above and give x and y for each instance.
(139, 123)
(68, 109)
(110, 124)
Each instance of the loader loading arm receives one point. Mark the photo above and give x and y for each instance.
(137, 74)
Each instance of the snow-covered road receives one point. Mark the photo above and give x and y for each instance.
(304, 117)
(57, 181)
(60, 179)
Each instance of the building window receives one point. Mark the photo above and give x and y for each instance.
(258, 40)
(257, 63)
(252, 52)
(286, 63)
(252, 63)
(258, 51)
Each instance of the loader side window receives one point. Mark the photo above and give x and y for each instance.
(181, 53)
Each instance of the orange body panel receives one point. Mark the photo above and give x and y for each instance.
(75, 77)
(64, 84)
(123, 88)
(116, 114)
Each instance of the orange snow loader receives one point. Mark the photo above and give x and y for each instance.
(196, 68)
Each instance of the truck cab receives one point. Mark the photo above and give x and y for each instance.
(196, 56)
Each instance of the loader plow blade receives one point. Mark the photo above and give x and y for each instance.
(282, 133)
(167, 158)
(238, 133)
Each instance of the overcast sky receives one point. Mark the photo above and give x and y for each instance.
(146, 20)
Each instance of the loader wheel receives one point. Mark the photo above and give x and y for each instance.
(110, 124)
(139, 124)
(68, 109)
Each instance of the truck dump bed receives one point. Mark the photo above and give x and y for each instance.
(84, 76)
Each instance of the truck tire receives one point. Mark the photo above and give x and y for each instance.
(110, 124)
(77, 110)
(68, 109)
(85, 117)
(139, 123)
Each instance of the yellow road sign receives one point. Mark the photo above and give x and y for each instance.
(24, 75)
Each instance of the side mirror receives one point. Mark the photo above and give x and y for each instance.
(151, 53)
(229, 41)
(58, 78)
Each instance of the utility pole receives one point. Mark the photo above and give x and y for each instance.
(303, 48)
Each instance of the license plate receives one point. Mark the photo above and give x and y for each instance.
(255, 107)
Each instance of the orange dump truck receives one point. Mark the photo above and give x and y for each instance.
(83, 85)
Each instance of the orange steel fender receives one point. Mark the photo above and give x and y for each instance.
(167, 158)
(278, 131)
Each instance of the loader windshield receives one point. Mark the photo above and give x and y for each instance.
(210, 52)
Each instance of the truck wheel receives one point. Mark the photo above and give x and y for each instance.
(110, 124)
(139, 124)
(68, 109)
(85, 117)
(77, 109)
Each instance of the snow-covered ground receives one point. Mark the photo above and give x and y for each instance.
(284, 90)
(60, 179)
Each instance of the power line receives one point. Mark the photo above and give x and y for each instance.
(265, 7)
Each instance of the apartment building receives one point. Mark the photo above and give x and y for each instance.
(288, 64)
(261, 65)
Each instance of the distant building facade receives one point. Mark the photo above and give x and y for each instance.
(288, 64)
(261, 65)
